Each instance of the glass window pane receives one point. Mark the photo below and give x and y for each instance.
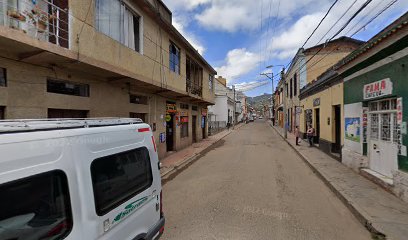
(119, 177)
(374, 106)
(37, 207)
(386, 127)
(374, 126)
(395, 128)
(385, 105)
(393, 104)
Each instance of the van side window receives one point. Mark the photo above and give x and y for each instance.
(119, 177)
(36, 207)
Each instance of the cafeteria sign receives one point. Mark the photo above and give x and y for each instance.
(378, 89)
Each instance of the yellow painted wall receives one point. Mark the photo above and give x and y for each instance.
(328, 99)
(313, 71)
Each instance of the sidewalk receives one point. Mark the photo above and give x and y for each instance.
(177, 160)
(381, 212)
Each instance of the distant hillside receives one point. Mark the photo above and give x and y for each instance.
(259, 101)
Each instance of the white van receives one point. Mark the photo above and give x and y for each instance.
(79, 179)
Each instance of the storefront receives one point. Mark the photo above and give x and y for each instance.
(376, 107)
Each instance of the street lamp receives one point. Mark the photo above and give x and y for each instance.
(271, 78)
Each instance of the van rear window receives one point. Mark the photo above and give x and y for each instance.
(117, 178)
(34, 208)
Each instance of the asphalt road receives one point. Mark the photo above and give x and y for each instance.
(252, 185)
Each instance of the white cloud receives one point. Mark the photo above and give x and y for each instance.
(180, 23)
(286, 43)
(238, 63)
(242, 15)
(185, 4)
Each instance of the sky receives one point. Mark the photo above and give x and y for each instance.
(240, 38)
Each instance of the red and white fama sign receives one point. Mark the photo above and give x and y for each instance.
(378, 89)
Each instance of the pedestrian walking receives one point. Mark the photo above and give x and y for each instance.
(297, 135)
(310, 135)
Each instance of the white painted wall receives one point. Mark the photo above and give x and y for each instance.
(219, 111)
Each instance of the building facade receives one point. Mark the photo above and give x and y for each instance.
(103, 59)
(222, 113)
(376, 108)
(318, 59)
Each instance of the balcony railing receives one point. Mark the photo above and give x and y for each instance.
(194, 88)
(39, 19)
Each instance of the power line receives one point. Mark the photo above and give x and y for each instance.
(338, 20)
(318, 25)
(351, 19)
(339, 31)
(361, 28)
(378, 14)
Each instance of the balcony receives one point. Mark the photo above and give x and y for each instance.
(194, 88)
(39, 19)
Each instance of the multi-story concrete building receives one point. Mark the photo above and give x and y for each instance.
(221, 115)
(305, 67)
(100, 58)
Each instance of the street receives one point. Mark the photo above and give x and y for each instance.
(252, 185)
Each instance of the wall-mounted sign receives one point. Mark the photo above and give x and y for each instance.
(399, 111)
(184, 119)
(171, 108)
(183, 113)
(162, 137)
(365, 124)
(204, 112)
(168, 118)
(316, 102)
(378, 89)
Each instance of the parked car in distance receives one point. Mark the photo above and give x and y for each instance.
(79, 179)
(260, 117)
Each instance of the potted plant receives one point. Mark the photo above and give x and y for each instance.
(16, 15)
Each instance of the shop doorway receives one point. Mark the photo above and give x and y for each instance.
(383, 138)
(317, 117)
(203, 126)
(194, 126)
(170, 132)
(337, 129)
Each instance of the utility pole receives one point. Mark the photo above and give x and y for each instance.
(285, 117)
(235, 106)
(272, 99)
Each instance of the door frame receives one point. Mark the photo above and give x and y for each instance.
(336, 126)
(393, 114)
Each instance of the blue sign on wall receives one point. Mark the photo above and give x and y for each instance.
(162, 137)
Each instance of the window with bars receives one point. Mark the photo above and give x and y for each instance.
(386, 127)
(374, 125)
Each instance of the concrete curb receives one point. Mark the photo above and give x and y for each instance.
(361, 216)
(175, 170)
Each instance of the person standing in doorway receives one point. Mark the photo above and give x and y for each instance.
(310, 135)
(297, 135)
